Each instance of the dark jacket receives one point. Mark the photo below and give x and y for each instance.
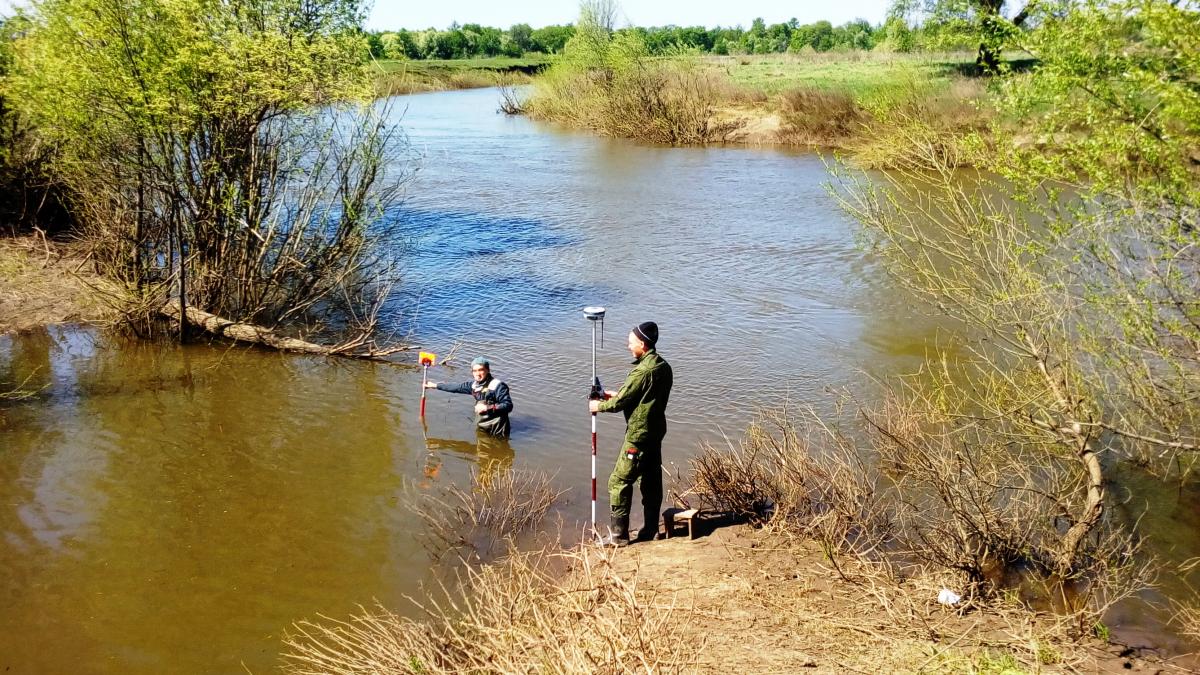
(643, 399)
(495, 394)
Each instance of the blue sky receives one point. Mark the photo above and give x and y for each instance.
(392, 14)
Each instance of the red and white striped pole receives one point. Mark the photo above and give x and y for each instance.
(596, 316)
(594, 533)
(427, 359)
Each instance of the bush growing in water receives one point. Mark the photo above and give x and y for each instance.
(906, 487)
(197, 144)
(611, 84)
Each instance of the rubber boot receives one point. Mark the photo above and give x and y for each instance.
(618, 532)
(649, 530)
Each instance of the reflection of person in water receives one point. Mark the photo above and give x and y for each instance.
(494, 456)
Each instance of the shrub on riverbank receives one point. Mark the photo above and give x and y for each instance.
(611, 85)
(766, 600)
(904, 488)
(215, 153)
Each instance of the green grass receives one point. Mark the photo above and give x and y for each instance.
(856, 72)
(497, 64)
(404, 77)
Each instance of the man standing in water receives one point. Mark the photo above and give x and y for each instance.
(492, 400)
(643, 399)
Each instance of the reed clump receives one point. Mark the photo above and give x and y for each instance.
(545, 612)
(480, 521)
(818, 116)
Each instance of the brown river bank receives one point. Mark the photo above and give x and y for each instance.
(46, 282)
(736, 599)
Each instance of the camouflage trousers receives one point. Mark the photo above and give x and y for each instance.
(645, 466)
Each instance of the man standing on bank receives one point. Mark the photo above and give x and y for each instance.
(493, 403)
(643, 399)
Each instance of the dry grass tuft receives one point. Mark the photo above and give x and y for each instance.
(538, 612)
(479, 522)
(821, 116)
(1187, 614)
(44, 282)
(806, 476)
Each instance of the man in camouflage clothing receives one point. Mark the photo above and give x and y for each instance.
(643, 399)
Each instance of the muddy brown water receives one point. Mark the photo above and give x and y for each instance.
(167, 509)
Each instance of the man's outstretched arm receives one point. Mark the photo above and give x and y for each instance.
(464, 388)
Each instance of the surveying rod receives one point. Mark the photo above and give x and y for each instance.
(596, 316)
(427, 359)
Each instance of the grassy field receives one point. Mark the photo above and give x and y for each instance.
(498, 64)
(855, 72)
(404, 77)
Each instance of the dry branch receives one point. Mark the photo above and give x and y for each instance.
(245, 332)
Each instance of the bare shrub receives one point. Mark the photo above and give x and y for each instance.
(562, 612)
(511, 102)
(479, 522)
(822, 115)
(996, 512)
(958, 500)
(735, 479)
(804, 476)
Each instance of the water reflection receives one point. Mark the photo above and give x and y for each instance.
(491, 456)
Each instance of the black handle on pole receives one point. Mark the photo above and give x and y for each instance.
(597, 391)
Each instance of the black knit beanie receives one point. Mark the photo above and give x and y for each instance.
(647, 332)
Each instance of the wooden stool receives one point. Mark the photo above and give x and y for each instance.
(671, 517)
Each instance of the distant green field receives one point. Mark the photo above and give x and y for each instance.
(856, 72)
(498, 64)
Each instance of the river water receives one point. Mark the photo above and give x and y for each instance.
(167, 509)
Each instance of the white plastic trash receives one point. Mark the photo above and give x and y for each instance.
(948, 597)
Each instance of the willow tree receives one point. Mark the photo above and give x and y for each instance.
(952, 22)
(1076, 277)
(216, 147)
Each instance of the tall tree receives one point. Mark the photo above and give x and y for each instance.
(980, 20)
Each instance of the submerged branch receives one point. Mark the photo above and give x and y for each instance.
(244, 332)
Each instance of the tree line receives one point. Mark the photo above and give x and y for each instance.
(908, 27)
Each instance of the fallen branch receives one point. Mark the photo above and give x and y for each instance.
(359, 348)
